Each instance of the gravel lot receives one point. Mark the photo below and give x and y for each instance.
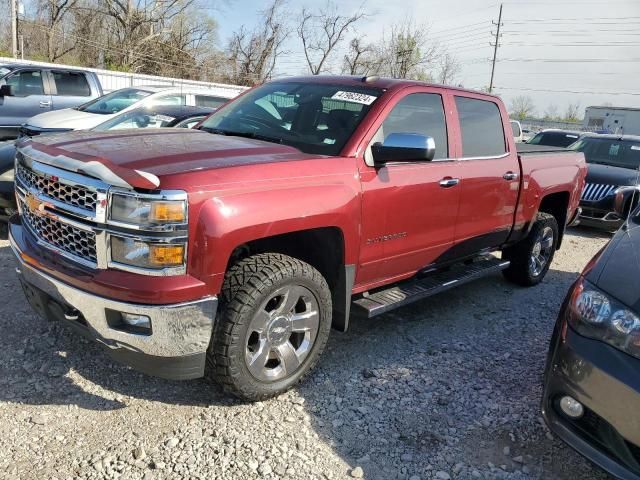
(446, 388)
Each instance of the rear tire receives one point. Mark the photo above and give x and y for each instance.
(273, 324)
(531, 258)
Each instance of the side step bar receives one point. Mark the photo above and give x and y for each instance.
(409, 291)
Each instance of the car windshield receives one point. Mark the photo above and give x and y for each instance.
(4, 71)
(114, 102)
(138, 118)
(554, 139)
(610, 151)
(314, 118)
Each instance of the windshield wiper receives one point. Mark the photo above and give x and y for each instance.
(252, 135)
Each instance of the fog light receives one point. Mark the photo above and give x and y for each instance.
(140, 321)
(571, 407)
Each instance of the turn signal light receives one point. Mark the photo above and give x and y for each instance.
(166, 255)
(168, 211)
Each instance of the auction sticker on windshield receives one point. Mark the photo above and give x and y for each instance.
(354, 97)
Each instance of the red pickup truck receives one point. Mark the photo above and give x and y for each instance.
(232, 250)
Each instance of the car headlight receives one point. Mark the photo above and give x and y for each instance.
(148, 210)
(595, 314)
(7, 176)
(147, 255)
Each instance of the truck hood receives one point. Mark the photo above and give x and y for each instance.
(608, 175)
(68, 118)
(140, 158)
(618, 266)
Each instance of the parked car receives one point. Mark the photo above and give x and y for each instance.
(108, 106)
(591, 393)
(614, 164)
(555, 138)
(288, 204)
(159, 116)
(27, 90)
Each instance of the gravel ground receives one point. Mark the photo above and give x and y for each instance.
(446, 388)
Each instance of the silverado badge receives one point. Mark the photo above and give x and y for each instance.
(33, 203)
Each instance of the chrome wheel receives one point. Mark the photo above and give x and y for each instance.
(282, 333)
(541, 252)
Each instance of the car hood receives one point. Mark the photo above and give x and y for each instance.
(140, 158)
(608, 175)
(618, 266)
(68, 118)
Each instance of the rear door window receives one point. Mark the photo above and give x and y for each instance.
(209, 101)
(71, 84)
(482, 128)
(26, 82)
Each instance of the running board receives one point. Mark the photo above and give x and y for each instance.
(409, 291)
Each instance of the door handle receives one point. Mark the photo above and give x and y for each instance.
(510, 176)
(45, 104)
(449, 182)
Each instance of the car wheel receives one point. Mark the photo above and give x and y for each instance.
(532, 257)
(273, 324)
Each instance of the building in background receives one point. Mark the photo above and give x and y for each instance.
(618, 120)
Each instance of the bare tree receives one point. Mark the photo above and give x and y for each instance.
(551, 113)
(360, 59)
(408, 52)
(321, 32)
(57, 12)
(253, 55)
(522, 107)
(572, 113)
(449, 69)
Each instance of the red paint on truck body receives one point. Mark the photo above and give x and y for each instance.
(242, 190)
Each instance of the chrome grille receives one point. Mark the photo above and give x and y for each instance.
(69, 194)
(72, 240)
(595, 191)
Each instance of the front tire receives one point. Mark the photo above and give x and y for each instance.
(532, 257)
(273, 324)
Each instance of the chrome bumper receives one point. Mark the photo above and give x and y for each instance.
(177, 331)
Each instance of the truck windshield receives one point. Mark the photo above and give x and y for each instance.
(115, 101)
(554, 139)
(4, 71)
(314, 118)
(610, 151)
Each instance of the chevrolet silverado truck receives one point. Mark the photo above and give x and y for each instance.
(232, 250)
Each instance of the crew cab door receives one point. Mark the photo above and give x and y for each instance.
(490, 176)
(409, 208)
(30, 96)
(68, 89)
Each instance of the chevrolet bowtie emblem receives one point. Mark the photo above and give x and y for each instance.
(33, 204)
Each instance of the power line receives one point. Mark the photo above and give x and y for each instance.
(568, 91)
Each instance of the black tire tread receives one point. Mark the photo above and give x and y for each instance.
(518, 254)
(244, 282)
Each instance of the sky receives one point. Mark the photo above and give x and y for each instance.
(556, 52)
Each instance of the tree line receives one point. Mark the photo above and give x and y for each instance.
(522, 107)
(179, 38)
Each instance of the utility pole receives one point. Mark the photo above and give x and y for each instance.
(14, 28)
(495, 47)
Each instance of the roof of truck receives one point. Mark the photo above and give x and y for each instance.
(375, 81)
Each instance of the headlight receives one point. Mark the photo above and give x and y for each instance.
(147, 255)
(594, 314)
(148, 210)
(7, 176)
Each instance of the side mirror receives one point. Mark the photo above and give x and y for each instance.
(624, 201)
(404, 147)
(6, 91)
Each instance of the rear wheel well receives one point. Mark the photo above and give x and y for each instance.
(322, 248)
(556, 204)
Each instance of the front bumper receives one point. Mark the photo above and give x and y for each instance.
(607, 383)
(600, 214)
(175, 348)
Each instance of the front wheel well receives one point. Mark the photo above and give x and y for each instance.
(557, 204)
(322, 248)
